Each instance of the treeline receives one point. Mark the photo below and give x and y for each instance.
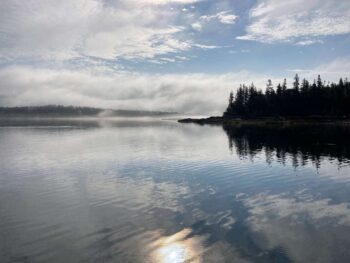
(50, 110)
(74, 111)
(302, 100)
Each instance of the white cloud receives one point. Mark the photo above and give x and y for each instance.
(297, 21)
(181, 58)
(205, 46)
(197, 26)
(224, 17)
(308, 42)
(66, 29)
(330, 71)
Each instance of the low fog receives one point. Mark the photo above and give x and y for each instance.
(183, 93)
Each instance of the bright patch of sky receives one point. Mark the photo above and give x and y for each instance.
(147, 51)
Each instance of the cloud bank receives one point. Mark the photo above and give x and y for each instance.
(190, 93)
(187, 93)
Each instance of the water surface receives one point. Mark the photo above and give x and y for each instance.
(159, 191)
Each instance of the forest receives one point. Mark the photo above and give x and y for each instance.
(303, 99)
(74, 111)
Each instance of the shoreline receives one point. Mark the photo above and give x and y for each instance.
(218, 120)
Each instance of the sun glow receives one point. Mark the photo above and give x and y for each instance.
(175, 253)
(177, 248)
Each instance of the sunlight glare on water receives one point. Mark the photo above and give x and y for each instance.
(177, 248)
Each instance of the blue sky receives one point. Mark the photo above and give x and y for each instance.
(182, 55)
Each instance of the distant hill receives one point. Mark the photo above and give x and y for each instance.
(72, 111)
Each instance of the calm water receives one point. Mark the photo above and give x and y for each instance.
(158, 191)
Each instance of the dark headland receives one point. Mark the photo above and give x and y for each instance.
(319, 102)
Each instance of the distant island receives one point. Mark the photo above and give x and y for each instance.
(319, 101)
(72, 111)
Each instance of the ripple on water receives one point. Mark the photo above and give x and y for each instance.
(171, 194)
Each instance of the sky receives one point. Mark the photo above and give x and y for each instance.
(171, 55)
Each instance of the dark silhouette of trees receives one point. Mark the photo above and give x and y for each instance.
(319, 99)
(303, 143)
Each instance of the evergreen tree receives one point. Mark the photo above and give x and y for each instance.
(296, 83)
(269, 87)
(284, 86)
(319, 82)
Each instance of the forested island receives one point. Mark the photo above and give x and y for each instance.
(73, 111)
(319, 100)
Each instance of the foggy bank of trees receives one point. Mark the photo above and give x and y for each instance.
(49, 110)
(74, 111)
(303, 99)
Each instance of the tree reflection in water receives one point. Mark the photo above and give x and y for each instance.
(300, 143)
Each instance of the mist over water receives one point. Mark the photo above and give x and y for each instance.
(159, 191)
